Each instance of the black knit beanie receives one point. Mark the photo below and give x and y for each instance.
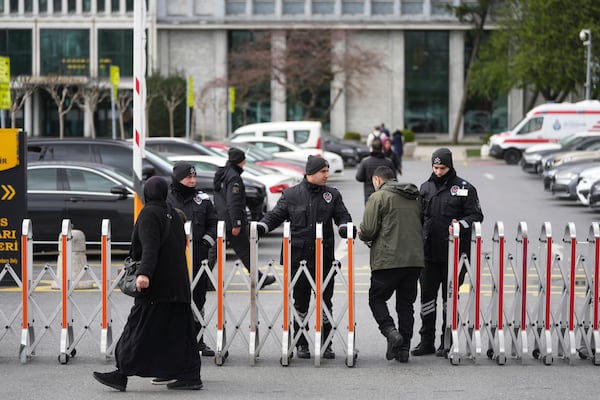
(236, 155)
(183, 169)
(442, 156)
(315, 164)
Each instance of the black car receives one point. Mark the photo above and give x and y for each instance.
(347, 152)
(119, 155)
(532, 161)
(85, 193)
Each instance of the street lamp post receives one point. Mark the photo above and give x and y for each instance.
(586, 37)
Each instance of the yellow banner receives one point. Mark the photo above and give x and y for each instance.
(115, 78)
(5, 100)
(231, 99)
(190, 96)
(9, 148)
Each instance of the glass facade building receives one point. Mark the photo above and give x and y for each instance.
(425, 54)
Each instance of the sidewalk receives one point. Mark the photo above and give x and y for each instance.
(459, 152)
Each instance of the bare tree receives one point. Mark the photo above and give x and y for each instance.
(64, 91)
(90, 95)
(124, 100)
(306, 66)
(21, 88)
(172, 93)
(205, 99)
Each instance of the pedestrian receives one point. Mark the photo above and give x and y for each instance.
(396, 257)
(230, 201)
(304, 205)
(367, 166)
(376, 134)
(445, 198)
(197, 208)
(384, 130)
(398, 144)
(158, 338)
(389, 153)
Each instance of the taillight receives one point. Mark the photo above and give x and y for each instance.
(318, 143)
(279, 188)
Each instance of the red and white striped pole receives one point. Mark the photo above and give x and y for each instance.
(139, 100)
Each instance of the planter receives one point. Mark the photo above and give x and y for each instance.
(409, 149)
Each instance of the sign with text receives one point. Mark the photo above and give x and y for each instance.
(5, 101)
(13, 198)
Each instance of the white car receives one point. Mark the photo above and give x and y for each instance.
(274, 182)
(586, 179)
(284, 149)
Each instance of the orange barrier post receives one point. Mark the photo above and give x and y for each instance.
(286, 350)
(351, 353)
(66, 333)
(221, 354)
(254, 336)
(27, 332)
(595, 233)
(318, 291)
(106, 262)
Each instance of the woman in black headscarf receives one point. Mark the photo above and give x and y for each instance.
(158, 339)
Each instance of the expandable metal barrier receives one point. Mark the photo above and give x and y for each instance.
(555, 328)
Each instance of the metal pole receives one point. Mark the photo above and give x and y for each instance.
(588, 84)
(112, 107)
(187, 109)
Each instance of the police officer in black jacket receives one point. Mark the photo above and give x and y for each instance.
(230, 201)
(198, 209)
(305, 205)
(445, 198)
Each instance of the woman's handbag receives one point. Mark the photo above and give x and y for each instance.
(127, 282)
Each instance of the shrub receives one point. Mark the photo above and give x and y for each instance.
(409, 136)
(352, 136)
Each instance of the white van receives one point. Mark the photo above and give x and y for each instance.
(305, 134)
(545, 123)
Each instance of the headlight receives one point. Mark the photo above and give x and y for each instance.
(533, 157)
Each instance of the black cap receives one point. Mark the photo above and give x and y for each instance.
(442, 156)
(315, 164)
(236, 155)
(183, 169)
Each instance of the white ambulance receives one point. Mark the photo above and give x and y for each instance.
(545, 123)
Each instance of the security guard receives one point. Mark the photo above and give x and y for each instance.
(305, 205)
(198, 208)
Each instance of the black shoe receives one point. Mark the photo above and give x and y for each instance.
(394, 341)
(162, 381)
(269, 280)
(302, 351)
(442, 352)
(205, 350)
(402, 356)
(115, 379)
(423, 349)
(186, 385)
(328, 353)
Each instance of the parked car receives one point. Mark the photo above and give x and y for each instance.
(348, 153)
(292, 168)
(532, 157)
(586, 179)
(595, 195)
(85, 193)
(571, 157)
(274, 182)
(168, 146)
(305, 134)
(283, 148)
(119, 155)
(562, 180)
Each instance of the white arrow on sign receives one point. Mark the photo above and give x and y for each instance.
(9, 192)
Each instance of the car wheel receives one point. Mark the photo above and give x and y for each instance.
(512, 156)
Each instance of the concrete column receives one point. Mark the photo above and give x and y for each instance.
(516, 107)
(278, 93)
(28, 116)
(338, 113)
(219, 124)
(398, 71)
(78, 260)
(456, 78)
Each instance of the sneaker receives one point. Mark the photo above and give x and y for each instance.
(402, 356)
(186, 385)
(162, 381)
(205, 350)
(328, 353)
(423, 349)
(302, 351)
(115, 379)
(269, 280)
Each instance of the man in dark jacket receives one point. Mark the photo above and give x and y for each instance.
(198, 209)
(396, 256)
(305, 205)
(445, 198)
(364, 172)
(230, 201)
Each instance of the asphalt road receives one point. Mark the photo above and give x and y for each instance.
(506, 195)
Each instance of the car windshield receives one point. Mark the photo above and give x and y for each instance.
(254, 153)
(567, 140)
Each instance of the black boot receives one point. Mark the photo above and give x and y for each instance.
(269, 280)
(394, 341)
(424, 348)
(204, 349)
(114, 379)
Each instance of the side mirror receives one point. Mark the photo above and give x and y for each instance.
(147, 171)
(120, 190)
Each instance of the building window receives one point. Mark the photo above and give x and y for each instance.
(264, 7)
(57, 6)
(426, 77)
(115, 47)
(438, 7)
(65, 51)
(324, 7)
(293, 7)
(43, 6)
(235, 7)
(353, 7)
(16, 44)
(412, 7)
(382, 7)
(114, 4)
(28, 6)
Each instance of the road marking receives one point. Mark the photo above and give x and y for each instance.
(489, 176)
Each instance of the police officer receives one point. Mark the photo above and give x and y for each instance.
(198, 209)
(305, 205)
(230, 200)
(445, 198)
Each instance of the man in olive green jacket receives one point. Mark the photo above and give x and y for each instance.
(392, 228)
